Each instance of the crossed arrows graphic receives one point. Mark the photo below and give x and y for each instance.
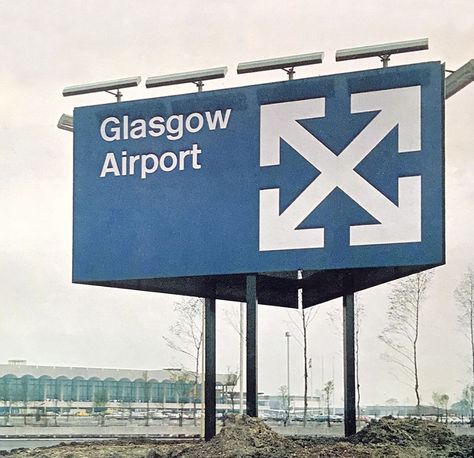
(397, 223)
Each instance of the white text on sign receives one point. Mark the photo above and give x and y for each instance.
(173, 128)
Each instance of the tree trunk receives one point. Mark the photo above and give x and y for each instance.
(232, 401)
(472, 332)
(328, 418)
(357, 365)
(147, 419)
(147, 395)
(8, 413)
(196, 378)
(415, 341)
(305, 402)
(417, 386)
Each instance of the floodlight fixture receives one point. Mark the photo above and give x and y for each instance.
(384, 51)
(103, 86)
(197, 77)
(459, 79)
(66, 122)
(287, 64)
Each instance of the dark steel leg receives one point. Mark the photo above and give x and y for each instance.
(252, 390)
(210, 374)
(349, 366)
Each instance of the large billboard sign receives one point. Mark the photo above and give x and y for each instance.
(319, 174)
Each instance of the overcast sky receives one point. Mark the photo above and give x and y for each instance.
(48, 45)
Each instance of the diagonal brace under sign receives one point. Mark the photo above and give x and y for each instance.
(397, 224)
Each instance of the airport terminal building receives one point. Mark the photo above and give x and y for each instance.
(22, 383)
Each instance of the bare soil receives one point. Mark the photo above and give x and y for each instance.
(244, 437)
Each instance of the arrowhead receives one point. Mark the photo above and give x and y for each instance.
(278, 231)
(402, 225)
(399, 106)
(277, 118)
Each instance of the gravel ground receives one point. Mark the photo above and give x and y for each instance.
(243, 436)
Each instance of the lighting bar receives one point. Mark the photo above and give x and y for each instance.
(104, 86)
(196, 77)
(382, 50)
(280, 63)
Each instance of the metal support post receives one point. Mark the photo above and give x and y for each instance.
(349, 366)
(199, 85)
(242, 350)
(203, 369)
(210, 373)
(290, 72)
(385, 59)
(118, 95)
(252, 390)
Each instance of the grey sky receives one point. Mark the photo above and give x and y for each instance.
(48, 45)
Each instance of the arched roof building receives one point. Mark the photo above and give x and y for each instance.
(22, 382)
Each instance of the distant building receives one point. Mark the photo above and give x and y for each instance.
(399, 411)
(24, 383)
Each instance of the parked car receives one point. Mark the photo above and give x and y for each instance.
(454, 421)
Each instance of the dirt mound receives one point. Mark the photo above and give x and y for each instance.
(405, 432)
(244, 436)
(106, 449)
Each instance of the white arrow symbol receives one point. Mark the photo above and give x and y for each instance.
(398, 224)
(277, 232)
(402, 224)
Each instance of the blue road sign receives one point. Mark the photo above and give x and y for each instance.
(334, 172)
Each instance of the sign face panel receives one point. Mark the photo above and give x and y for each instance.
(334, 172)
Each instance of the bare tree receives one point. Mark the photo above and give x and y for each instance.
(358, 314)
(233, 317)
(100, 401)
(438, 403)
(464, 296)
(402, 332)
(444, 398)
(146, 388)
(187, 335)
(230, 381)
(335, 317)
(24, 389)
(304, 320)
(468, 398)
(285, 403)
(392, 402)
(5, 396)
(328, 392)
(184, 386)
